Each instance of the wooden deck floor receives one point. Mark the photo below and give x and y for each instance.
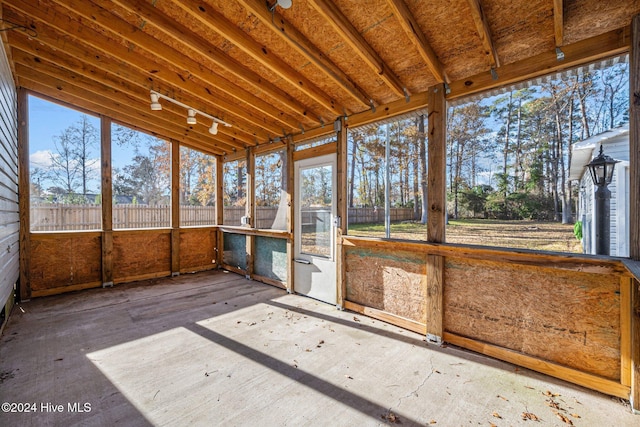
(216, 349)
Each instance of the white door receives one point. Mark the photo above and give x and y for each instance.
(315, 230)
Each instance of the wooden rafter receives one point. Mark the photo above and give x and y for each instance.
(332, 14)
(303, 45)
(417, 37)
(482, 25)
(28, 67)
(98, 50)
(220, 25)
(558, 21)
(165, 58)
(181, 34)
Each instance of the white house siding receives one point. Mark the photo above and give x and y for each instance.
(9, 219)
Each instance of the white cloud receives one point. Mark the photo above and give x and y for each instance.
(40, 159)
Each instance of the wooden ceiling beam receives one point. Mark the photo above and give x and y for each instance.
(181, 34)
(334, 16)
(40, 51)
(296, 40)
(484, 32)
(609, 44)
(172, 114)
(184, 65)
(558, 21)
(214, 21)
(417, 37)
(81, 89)
(99, 49)
(63, 95)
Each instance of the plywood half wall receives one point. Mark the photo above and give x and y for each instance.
(568, 318)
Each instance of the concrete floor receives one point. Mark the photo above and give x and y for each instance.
(217, 349)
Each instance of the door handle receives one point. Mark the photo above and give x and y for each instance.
(302, 261)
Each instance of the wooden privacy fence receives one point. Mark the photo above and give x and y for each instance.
(61, 217)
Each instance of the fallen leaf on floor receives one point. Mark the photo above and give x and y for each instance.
(552, 403)
(391, 417)
(548, 393)
(575, 415)
(356, 319)
(432, 422)
(252, 323)
(436, 371)
(308, 350)
(349, 377)
(492, 425)
(530, 416)
(503, 398)
(530, 388)
(496, 415)
(564, 418)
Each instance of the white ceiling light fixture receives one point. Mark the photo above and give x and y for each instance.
(191, 117)
(191, 112)
(155, 104)
(285, 4)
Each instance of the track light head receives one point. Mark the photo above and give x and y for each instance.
(285, 4)
(191, 117)
(155, 104)
(213, 130)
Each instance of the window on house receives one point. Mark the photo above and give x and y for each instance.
(64, 168)
(141, 172)
(235, 192)
(197, 188)
(271, 191)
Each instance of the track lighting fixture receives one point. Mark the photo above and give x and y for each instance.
(155, 105)
(191, 112)
(191, 116)
(285, 4)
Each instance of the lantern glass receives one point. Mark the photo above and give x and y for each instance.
(601, 168)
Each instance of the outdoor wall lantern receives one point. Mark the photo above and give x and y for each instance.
(601, 169)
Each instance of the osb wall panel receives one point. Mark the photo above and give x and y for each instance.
(197, 249)
(58, 261)
(392, 281)
(565, 317)
(141, 254)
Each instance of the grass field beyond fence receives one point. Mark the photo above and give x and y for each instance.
(544, 236)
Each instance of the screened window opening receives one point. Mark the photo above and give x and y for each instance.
(235, 192)
(197, 188)
(271, 191)
(141, 179)
(64, 168)
(387, 179)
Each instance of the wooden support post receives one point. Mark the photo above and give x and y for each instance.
(24, 194)
(290, 213)
(107, 202)
(250, 207)
(436, 203)
(634, 203)
(219, 207)
(342, 207)
(175, 208)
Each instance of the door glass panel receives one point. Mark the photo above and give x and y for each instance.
(315, 210)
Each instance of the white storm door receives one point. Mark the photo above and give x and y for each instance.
(315, 230)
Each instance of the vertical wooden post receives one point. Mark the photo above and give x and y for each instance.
(24, 194)
(634, 204)
(249, 208)
(341, 198)
(219, 207)
(175, 208)
(107, 202)
(436, 202)
(290, 214)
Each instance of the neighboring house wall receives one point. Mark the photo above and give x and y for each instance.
(9, 219)
(619, 202)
